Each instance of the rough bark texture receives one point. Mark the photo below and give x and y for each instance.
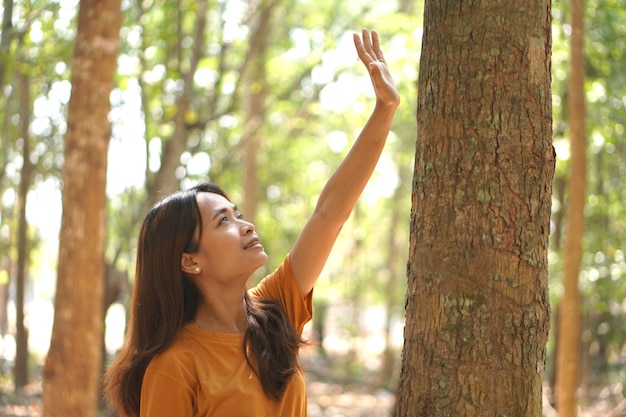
(568, 347)
(72, 369)
(477, 307)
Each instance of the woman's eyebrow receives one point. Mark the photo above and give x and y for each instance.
(224, 210)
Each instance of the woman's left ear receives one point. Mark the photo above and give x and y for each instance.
(189, 265)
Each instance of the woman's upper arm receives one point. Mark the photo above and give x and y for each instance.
(162, 399)
(166, 392)
(312, 248)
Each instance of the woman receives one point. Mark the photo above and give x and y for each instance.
(198, 342)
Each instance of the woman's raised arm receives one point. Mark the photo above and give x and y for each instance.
(341, 192)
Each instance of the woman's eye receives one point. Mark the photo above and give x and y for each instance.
(223, 219)
(239, 216)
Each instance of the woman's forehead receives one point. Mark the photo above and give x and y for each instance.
(211, 203)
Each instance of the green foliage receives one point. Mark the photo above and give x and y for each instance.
(38, 47)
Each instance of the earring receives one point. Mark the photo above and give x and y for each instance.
(197, 269)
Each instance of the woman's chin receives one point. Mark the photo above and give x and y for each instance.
(264, 258)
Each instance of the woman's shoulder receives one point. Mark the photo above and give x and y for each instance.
(181, 354)
(171, 375)
(278, 281)
(282, 286)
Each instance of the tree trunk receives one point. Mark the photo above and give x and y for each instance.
(255, 98)
(477, 306)
(6, 36)
(167, 179)
(72, 369)
(21, 333)
(568, 355)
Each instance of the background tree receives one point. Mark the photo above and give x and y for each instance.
(6, 37)
(72, 369)
(477, 302)
(602, 333)
(254, 104)
(27, 154)
(167, 178)
(21, 354)
(568, 346)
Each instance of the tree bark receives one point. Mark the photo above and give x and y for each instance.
(166, 179)
(254, 106)
(6, 36)
(477, 306)
(568, 355)
(72, 369)
(21, 332)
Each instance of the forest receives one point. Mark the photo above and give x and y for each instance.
(265, 98)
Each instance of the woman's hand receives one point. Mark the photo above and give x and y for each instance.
(368, 49)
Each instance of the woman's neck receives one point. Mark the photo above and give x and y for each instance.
(222, 312)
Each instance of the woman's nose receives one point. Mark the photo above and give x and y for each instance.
(247, 227)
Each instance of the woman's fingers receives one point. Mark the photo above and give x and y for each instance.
(376, 47)
(368, 46)
(367, 43)
(368, 49)
(360, 49)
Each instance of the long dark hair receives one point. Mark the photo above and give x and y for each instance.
(274, 343)
(164, 299)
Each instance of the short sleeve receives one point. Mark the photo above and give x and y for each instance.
(282, 286)
(168, 388)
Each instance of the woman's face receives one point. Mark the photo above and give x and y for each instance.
(229, 248)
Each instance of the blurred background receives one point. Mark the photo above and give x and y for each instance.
(273, 157)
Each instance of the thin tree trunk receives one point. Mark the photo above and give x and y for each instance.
(477, 306)
(167, 179)
(21, 354)
(254, 107)
(73, 366)
(6, 35)
(568, 356)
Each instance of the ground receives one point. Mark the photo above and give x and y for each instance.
(333, 399)
(336, 388)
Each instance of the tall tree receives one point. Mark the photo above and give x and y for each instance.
(72, 369)
(568, 346)
(477, 308)
(166, 179)
(21, 333)
(6, 37)
(254, 105)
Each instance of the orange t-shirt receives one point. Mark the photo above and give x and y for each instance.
(205, 374)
